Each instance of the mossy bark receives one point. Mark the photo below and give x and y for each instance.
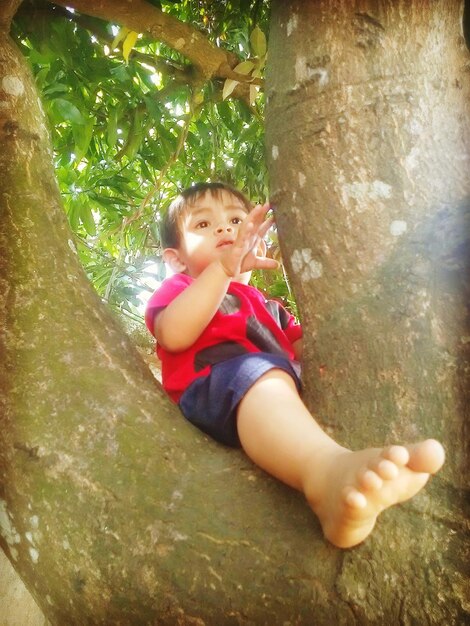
(113, 509)
(368, 133)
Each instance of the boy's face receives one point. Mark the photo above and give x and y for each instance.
(209, 226)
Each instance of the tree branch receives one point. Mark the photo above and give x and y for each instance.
(140, 16)
(8, 9)
(31, 12)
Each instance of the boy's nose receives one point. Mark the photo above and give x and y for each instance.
(220, 228)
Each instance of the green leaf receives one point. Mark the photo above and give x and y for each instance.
(86, 218)
(153, 107)
(41, 77)
(120, 73)
(42, 55)
(261, 62)
(57, 88)
(244, 67)
(82, 134)
(135, 136)
(225, 139)
(224, 111)
(258, 42)
(68, 111)
(73, 215)
(112, 128)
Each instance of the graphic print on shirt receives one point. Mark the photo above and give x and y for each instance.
(256, 332)
(228, 326)
(215, 354)
(222, 351)
(262, 337)
(279, 313)
(230, 304)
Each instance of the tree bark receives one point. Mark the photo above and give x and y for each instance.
(112, 508)
(368, 134)
(7, 11)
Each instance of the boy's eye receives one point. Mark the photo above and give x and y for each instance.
(202, 224)
(236, 220)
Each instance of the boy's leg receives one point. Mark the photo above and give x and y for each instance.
(347, 490)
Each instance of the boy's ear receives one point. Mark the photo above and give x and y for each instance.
(172, 257)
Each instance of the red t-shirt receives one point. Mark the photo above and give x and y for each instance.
(245, 322)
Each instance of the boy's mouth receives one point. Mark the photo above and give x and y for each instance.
(224, 242)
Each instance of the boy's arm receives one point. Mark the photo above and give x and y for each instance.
(180, 323)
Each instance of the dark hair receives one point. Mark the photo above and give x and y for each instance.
(170, 230)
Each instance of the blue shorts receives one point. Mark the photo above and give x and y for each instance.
(211, 402)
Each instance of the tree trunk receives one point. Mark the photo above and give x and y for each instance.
(113, 509)
(368, 133)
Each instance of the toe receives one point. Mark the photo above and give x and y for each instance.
(397, 454)
(387, 470)
(354, 498)
(427, 456)
(370, 481)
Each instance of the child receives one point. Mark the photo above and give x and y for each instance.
(229, 360)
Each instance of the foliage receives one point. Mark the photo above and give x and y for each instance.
(130, 127)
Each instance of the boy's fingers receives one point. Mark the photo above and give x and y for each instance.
(251, 231)
(265, 226)
(244, 231)
(258, 213)
(265, 263)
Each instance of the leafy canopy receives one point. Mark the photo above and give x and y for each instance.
(132, 122)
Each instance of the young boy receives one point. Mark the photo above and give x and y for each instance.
(229, 360)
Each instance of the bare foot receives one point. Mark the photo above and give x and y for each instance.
(360, 485)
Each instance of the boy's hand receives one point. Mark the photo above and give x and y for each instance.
(247, 253)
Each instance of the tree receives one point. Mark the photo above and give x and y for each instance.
(113, 515)
(133, 120)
